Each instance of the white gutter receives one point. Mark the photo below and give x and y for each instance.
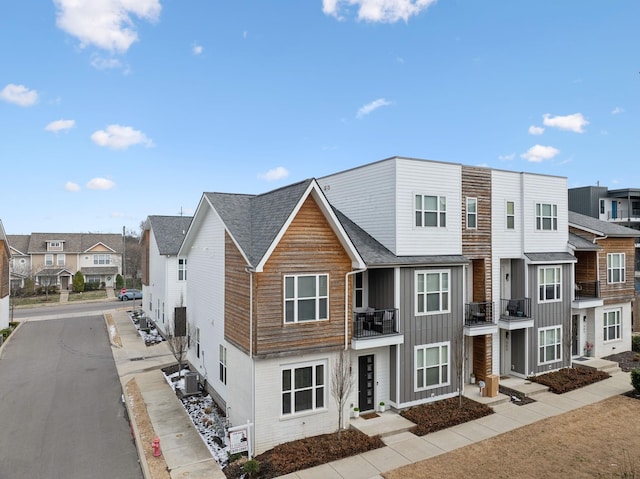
(253, 368)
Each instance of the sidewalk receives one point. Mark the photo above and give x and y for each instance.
(182, 447)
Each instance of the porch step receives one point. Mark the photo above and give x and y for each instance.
(610, 367)
(524, 386)
(384, 424)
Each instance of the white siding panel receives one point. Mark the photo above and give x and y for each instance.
(545, 189)
(505, 186)
(239, 384)
(4, 312)
(367, 196)
(428, 178)
(205, 309)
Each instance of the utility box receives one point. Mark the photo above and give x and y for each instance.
(191, 383)
(491, 388)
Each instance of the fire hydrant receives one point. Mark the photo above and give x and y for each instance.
(155, 445)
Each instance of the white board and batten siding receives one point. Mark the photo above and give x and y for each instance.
(205, 309)
(367, 196)
(420, 177)
(4, 312)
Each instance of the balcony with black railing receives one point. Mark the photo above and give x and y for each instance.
(587, 290)
(478, 314)
(515, 308)
(375, 323)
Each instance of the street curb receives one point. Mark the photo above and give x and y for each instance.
(142, 458)
(9, 338)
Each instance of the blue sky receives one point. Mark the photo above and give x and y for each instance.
(119, 109)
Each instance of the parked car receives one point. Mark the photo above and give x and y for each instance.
(127, 294)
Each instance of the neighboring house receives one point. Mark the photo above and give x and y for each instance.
(412, 266)
(620, 206)
(5, 259)
(52, 259)
(604, 285)
(164, 274)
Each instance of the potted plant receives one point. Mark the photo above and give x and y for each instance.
(382, 406)
(472, 378)
(356, 411)
(588, 347)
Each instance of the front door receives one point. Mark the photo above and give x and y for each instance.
(366, 382)
(518, 351)
(575, 340)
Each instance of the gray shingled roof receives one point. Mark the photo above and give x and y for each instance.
(582, 244)
(169, 232)
(255, 220)
(74, 242)
(19, 242)
(375, 254)
(551, 257)
(602, 227)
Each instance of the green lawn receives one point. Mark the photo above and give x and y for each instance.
(31, 300)
(99, 294)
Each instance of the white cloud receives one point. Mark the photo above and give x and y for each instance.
(575, 122)
(100, 184)
(71, 186)
(19, 94)
(507, 157)
(536, 130)
(274, 174)
(383, 11)
(100, 63)
(119, 137)
(106, 24)
(197, 49)
(617, 110)
(539, 153)
(60, 125)
(369, 107)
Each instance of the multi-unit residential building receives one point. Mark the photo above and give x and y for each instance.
(602, 312)
(53, 259)
(5, 259)
(164, 274)
(423, 272)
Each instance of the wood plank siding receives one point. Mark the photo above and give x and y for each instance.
(482, 356)
(308, 246)
(616, 292)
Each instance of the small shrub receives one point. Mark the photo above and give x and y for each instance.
(635, 343)
(635, 379)
(251, 467)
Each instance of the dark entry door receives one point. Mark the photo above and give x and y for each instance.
(575, 324)
(518, 350)
(366, 381)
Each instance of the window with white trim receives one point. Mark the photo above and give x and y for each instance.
(511, 215)
(549, 283)
(48, 260)
(549, 344)
(61, 258)
(431, 211)
(612, 325)
(223, 364)
(303, 387)
(615, 268)
(472, 213)
(546, 216)
(182, 269)
(431, 366)
(306, 298)
(101, 259)
(432, 291)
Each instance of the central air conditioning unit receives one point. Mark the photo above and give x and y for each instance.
(191, 383)
(143, 322)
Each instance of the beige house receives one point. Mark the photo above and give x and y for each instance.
(54, 258)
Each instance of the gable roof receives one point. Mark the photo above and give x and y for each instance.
(19, 243)
(599, 227)
(579, 243)
(74, 242)
(257, 222)
(168, 231)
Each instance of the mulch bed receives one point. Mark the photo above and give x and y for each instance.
(443, 414)
(568, 379)
(627, 360)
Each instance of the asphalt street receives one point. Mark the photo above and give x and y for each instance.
(61, 412)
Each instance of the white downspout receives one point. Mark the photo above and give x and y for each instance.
(253, 368)
(347, 305)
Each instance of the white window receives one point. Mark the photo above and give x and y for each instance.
(92, 278)
(511, 215)
(549, 283)
(431, 211)
(432, 291)
(223, 364)
(182, 269)
(615, 268)
(48, 260)
(601, 207)
(306, 298)
(432, 366)
(61, 259)
(612, 325)
(472, 213)
(546, 216)
(101, 259)
(54, 244)
(358, 290)
(303, 388)
(549, 344)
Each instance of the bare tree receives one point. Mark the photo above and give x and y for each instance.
(458, 360)
(341, 383)
(178, 345)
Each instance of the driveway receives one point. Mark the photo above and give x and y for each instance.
(61, 414)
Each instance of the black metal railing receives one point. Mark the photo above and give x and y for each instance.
(478, 314)
(587, 290)
(515, 308)
(375, 322)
